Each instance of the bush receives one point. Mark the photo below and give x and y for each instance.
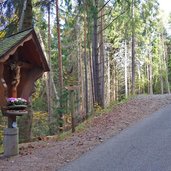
(40, 124)
(3, 122)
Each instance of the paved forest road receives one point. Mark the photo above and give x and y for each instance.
(145, 146)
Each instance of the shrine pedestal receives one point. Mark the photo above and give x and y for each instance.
(11, 142)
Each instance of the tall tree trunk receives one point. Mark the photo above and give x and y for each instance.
(167, 79)
(129, 79)
(59, 49)
(89, 41)
(22, 16)
(80, 79)
(161, 84)
(79, 74)
(161, 65)
(126, 72)
(101, 70)
(165, 64)
(148, 78)
(25, 125)
(91, 100)
(85, 66)
(107, 80)
(114, 81)
(49, 88)
(28, 16)
(95, 58)
(150, 74)
(139, 79)
(60, 67)
(133, 49)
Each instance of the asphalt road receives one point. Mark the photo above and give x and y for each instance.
(146, 146)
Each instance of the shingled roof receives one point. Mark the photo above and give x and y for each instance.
(9, 46)
(9, 42)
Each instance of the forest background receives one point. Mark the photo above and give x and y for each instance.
(99, 52)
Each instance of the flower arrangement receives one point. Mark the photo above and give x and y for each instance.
(15, 107)
(16, 101)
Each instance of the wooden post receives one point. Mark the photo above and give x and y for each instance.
(72, 110)
(72, 103)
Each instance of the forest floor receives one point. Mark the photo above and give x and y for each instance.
(51, 153)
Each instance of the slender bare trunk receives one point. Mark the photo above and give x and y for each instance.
(114, 82)
(49, 89)
(161, 84)
(59, 50)
(95, 58)
(165, 64)
(91, 100)
(133, 50)
(60, 75)
(85, 66)
(150, 74)
(101, 79)
(28, 16)
(22, 16)
(81, 79)
(139, 78)
(126, 72)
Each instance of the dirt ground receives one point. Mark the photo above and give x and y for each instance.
(50, 154)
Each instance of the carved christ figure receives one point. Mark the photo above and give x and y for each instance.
(15, 68)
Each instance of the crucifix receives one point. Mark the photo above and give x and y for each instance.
(15, 69)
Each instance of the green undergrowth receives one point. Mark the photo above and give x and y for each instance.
(1, 149)
(64, 135)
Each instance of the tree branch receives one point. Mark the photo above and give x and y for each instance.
(104, 5)
(105, 14)
(112, 21)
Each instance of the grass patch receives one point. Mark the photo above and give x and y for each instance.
(81, 127)
(64, 135)
(1, 149)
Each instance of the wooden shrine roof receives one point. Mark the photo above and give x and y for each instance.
(30, 48)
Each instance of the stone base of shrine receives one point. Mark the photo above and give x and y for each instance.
(11, 142)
